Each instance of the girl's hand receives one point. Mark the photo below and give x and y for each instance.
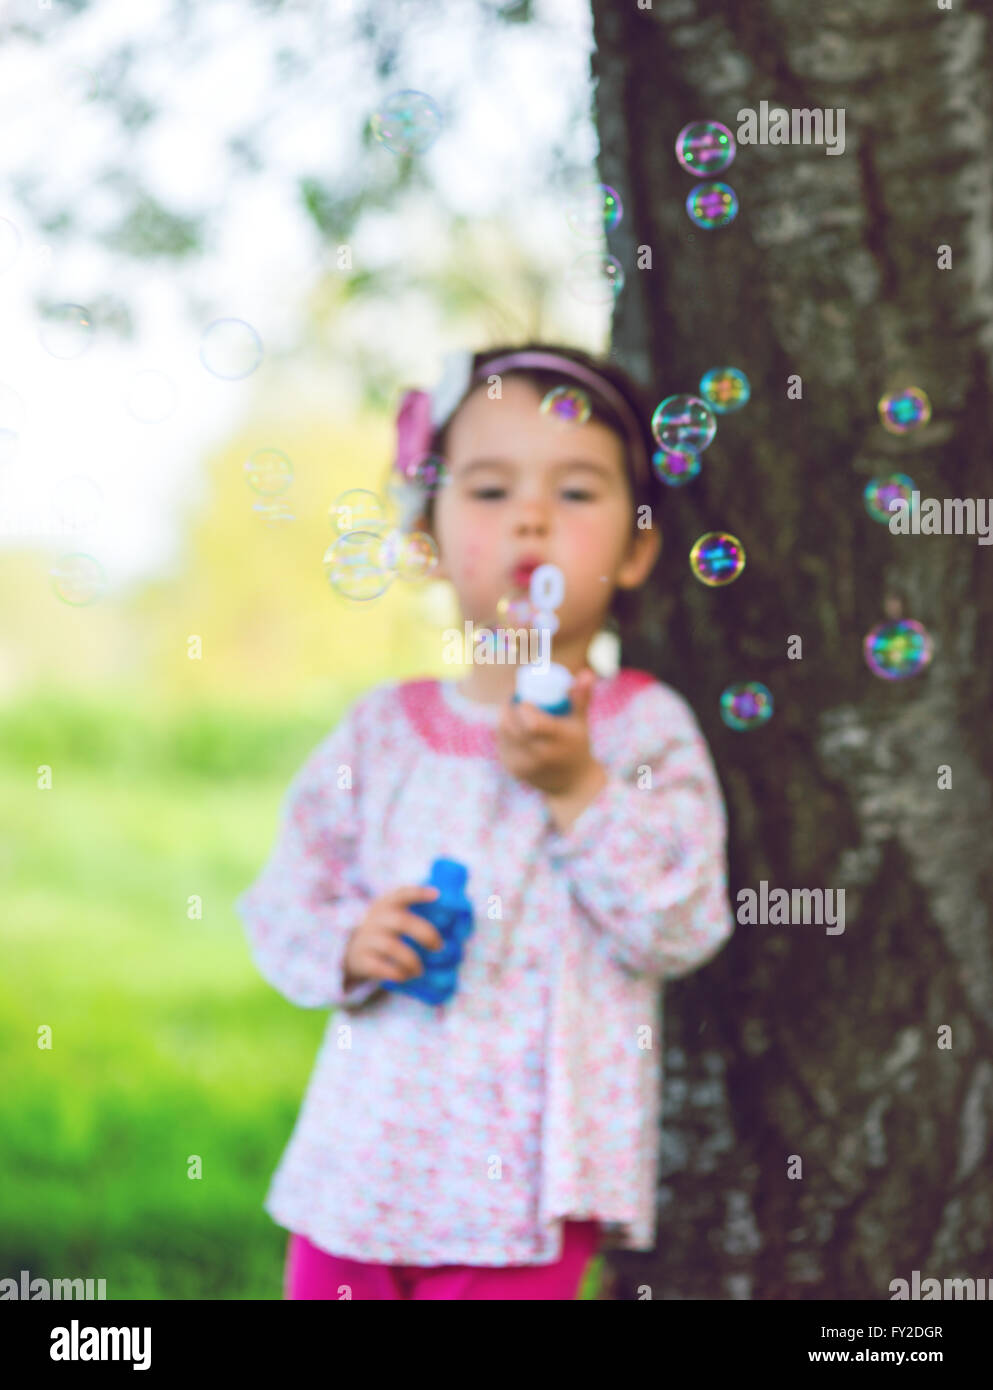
(549, 751)
(375, 951)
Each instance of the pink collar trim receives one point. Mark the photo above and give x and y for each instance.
(444, 730)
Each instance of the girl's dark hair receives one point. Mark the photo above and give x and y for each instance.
(625, 605)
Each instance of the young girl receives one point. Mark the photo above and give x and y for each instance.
(487, 1148)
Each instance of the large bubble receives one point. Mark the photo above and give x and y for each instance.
(230, 349)
(684, 423)
(717, 558)
(896, 650)
(407, 123)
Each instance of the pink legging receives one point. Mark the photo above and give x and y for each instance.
(314, 1273)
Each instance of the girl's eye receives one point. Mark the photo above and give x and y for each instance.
(577, 494)
(487, 492)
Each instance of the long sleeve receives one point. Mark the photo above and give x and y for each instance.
(646, 859)
(301, 910)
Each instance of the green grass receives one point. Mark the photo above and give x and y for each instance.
(166, 1043)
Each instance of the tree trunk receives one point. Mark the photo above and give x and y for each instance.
(794, 1041)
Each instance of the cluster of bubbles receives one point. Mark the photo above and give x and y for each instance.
(407, 123)
(269, 472)
(901, 647)
(902, 411)
(717, 558)
(705, 148)
(593, 210)
(896, 650)
(371, 550)
(880, 494)
(566, 405)
(746, 705)
(685, 425)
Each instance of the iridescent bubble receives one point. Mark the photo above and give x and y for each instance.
(902, 411)
(725, 389)
(705, 147)
(11, 415)
(712, 205)
(151, 397)
(66, 330)
(268, 472)
(595, 279)
(683, 423)
(230, 349)
(595, 209)
(78, 579)
(408, 122)
(717, 558)
(353, 568)
(746, 705)
(566, 405)
(676, 466)
(896, 650)
(355, 509)
(429, 472)
(10, 244)
(76, 501)
(880, 492)
(270, 512)
(515, 612)
(409, 555)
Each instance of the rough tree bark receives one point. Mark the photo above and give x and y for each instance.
(796, 1042)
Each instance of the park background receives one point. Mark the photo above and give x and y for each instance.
(170, 164)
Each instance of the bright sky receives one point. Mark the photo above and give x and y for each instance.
(67, 437)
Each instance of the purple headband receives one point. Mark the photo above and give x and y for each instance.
(417, 419)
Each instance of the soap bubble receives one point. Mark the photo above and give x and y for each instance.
(352, 566)
(78, 579)
(429, 471)
(880, 492)
(725, 389)
(717, 558)
(355, 509)
(746, 705)
(896, 650)
(515, 612)
(566, 405)
(11, 415)
(408, 122)
(712, 205)
(409, 555)
(77, 501)
(230, 349)
(66, 330)
(676, 466)
(10, 244)
(595, 209)
(683, 423)
(595, 279)
(268, 472)
(151, 397)
(705, 147)
(902, 411)
(273, 511)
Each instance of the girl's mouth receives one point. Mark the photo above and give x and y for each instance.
(521, 574)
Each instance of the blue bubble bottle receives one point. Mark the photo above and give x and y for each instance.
(451, 914)
(545, 686)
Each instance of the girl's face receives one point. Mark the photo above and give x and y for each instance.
(522, 487)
